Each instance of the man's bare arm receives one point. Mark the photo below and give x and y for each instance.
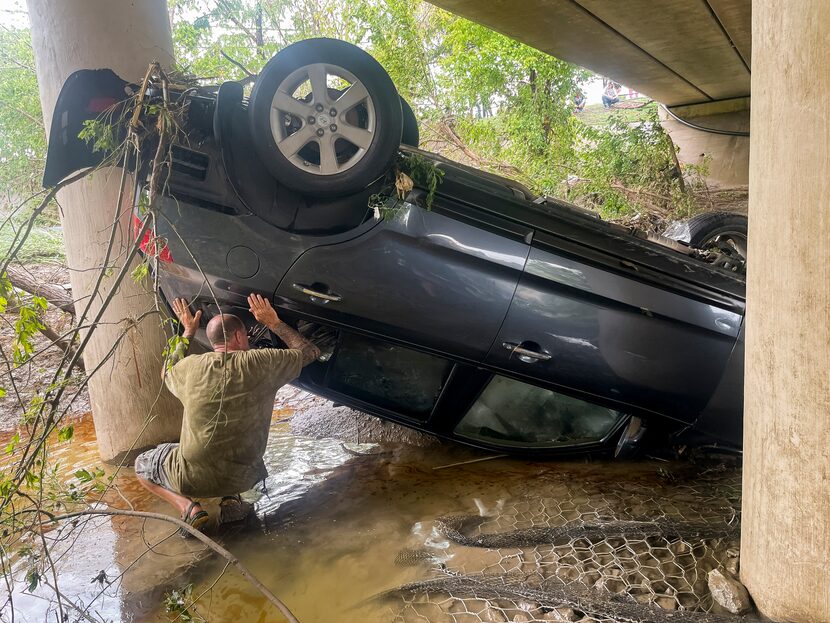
(267, 315)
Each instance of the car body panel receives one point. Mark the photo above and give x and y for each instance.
(459, 281)
(86, 95)
(636, 345)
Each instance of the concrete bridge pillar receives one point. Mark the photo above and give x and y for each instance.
(785, 550)
(131, 408)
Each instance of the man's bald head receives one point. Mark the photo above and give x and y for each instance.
(228, 332)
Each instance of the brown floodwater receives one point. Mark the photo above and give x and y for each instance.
(338, 526)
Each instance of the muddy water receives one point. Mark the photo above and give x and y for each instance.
(337, 525)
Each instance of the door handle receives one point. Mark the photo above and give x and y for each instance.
(528, 356)
(334, 298)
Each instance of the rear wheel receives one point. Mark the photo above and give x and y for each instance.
(722, 236)
(325, 117)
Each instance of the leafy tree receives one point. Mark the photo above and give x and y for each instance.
(22, 137)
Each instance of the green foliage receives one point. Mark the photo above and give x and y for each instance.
(32, 579)
(13, 442)
(66, 433)
(98, 133)
(28, 323)
(22, 135)
(624, 159)
(424, 173)
(174, 349)
(141, 271)
(180, 603)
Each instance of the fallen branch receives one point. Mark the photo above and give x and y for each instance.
(202, 537)
(53, 294)
(61, 343)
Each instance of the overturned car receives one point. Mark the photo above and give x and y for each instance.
(470, 308)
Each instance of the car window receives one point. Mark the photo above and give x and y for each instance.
(392, 377)
(509, 412)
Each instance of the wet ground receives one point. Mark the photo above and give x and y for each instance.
(355, 533)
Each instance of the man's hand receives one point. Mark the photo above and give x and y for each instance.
(189, 321)
(263, 312)
(267, 315)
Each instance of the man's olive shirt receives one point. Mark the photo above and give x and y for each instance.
(228, 402)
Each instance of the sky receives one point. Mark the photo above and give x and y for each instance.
(13, 13)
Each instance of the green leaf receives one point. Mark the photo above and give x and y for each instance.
(65, 434)
(83, 475)
(13, 443)
(32, 580)
(99, 134)
(141, 271)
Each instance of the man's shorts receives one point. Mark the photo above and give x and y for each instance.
(150, 465)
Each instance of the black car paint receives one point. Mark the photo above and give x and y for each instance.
(628, 324)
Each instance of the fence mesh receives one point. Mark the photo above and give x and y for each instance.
(588, 551)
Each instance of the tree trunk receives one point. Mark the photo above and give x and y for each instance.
(130, 407)
(785, 549)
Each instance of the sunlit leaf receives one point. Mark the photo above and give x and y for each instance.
(65, 433)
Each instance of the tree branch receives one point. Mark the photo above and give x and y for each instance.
(54, 295)
(247, 71)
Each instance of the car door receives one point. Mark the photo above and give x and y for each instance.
(429, 279)
(613, 335)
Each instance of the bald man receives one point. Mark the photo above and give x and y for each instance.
(228, 399)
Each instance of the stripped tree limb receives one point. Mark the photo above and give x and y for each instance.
(55, 295)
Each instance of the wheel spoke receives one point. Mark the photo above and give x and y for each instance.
(290, 145)
(317, 75)
(328, 156)
(285, 103)
(351, 97)
(358, 136)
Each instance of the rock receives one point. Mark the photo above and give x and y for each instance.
(729, 592)
(733, 562)
(494, 615)
(563, 614)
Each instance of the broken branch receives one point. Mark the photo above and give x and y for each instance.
(55, 295)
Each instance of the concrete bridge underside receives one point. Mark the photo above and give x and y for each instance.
(693, 56)
(675, 51)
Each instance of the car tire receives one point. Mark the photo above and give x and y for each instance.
(705, 229)
(338, 153)
(411, 135)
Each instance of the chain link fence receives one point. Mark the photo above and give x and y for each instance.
(590, 551)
